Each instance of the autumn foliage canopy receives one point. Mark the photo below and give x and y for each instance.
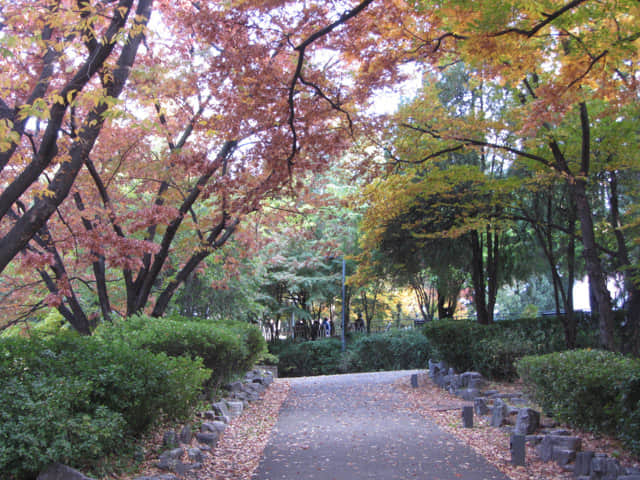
(135, 136)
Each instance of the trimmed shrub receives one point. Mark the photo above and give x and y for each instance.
(630, 412)
(226, 348)
(392, 350)
(493, 349)
(591, 389)
(308, 358)
(75, 399)
(453, 341)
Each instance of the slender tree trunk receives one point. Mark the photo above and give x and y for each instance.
(493, 267)
(630, 274)
(477, 278)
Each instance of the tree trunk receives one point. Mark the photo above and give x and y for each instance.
(477, 278)
(597, 277)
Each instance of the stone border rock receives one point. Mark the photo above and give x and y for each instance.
(510, 412)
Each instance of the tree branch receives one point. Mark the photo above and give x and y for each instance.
(297, 76)
(540, 25)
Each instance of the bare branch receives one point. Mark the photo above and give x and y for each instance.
(345, 17)
(550, 17)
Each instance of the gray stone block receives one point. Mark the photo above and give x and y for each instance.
(563, 456)
(498, 413)
(195, 455)
(598, 463)
(235, 408)
(518, 449)
(170, 459)
(545, 449)
(214, 426)
(170, 439)
(233, 386)
(221, 409)
(58, 471)
(612, 469)
(209, 438)
(467, 378)
(527, 421)
(185, 434)
(470, 394)
(567, 442)
(480, 406)
(583, 463)
(467, 417)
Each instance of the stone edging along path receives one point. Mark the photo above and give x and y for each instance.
(510, 412)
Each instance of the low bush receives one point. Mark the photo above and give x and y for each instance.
(74, 400)
(453, 340)
(226, 348)
(307, 358)
(392, 350)
(591, 389)
(493, 349)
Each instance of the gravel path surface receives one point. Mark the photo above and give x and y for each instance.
(359, 426)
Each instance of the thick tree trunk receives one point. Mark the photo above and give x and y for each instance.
(597, 277)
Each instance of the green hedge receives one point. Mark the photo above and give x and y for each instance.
(226, 348)
(392, 350)
(75, 400)
(493, 349)
(307, 358)
(591, 389)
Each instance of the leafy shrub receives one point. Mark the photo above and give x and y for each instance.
(393, 350)
(453, 340)
(493, 349)
(226, 348)
(630, 412)
(297, 359)
(76, 399)
(365, 353)
(591, 389)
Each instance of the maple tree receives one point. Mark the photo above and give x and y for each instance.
(566, 73)
(137, 135)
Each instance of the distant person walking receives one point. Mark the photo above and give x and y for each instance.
(326, 327)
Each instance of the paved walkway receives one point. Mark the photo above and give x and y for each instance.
(357, 426)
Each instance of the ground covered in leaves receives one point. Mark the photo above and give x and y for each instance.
(493, 443)
(241, 447)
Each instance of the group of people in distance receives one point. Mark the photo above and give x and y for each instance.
(323, 329)
(319, 330)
